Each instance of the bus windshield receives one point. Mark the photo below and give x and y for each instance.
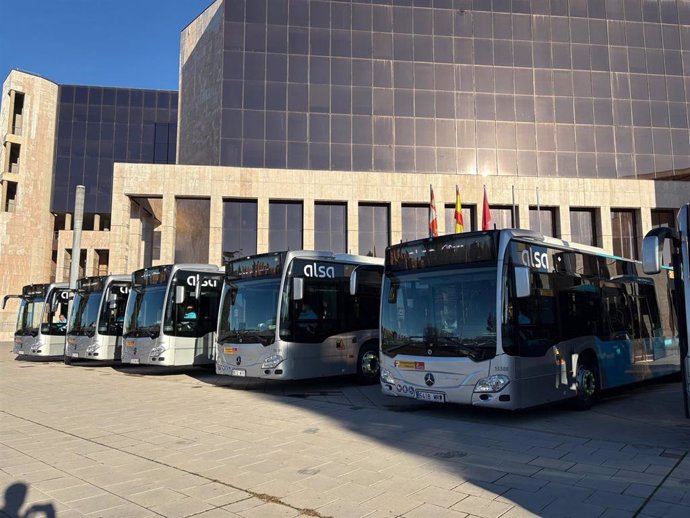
(84, 313)
(440, 313)
(29, 317)
(144, 311)
(249, 311)
(196, 313)
(54, 320)
(113, 310)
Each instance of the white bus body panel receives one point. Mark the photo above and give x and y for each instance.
(43, 345)
(176, 350)
(97, 347)
(337, 355)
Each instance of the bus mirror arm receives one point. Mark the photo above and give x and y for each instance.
(7, 297)
(523, 286)
(653, 247)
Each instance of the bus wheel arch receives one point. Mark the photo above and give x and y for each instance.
(587, 380)
(368, 363)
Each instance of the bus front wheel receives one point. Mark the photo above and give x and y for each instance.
(368, 367)
(587, 384)
(67, 360)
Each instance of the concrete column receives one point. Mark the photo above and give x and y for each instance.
(352, 226)
(563, 220)
(91, 263)
(262, 208)
(167, 230)
(97, 222)
(603, 217)
(60, 266)
(3, 196)
(133, 239)
(308, 224)
(644, 225)
(10, 118)
(6, 158)
(215, 234)
(522, 214)
(395, 222)
(68, 221)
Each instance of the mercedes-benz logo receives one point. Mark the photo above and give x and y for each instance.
(429, 379)
(238, 360)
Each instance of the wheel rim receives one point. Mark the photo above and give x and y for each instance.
(587, 383)
(370, 364)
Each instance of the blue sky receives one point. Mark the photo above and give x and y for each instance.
(132, 43)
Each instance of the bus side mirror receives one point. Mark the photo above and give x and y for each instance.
(523, 287)
(353, 282)
(179, 294)
(653, 247)
(297, 288)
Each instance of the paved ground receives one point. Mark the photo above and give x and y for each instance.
(112, 441)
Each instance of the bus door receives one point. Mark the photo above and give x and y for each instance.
(197, 297)
(320, 341)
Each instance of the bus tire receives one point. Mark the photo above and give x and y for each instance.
(368, 365)
(587, 383)
(66, 360)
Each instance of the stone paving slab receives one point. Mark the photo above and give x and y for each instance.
(118, 441)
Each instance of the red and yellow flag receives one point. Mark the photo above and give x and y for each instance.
(433, 221)
(459, 223)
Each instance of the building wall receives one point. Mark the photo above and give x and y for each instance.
(99, 126)
(201, 86)
(26, 234)
(544, 88)
(395, 189)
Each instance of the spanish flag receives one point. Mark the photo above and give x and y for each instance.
(459, 223)
(433, 222)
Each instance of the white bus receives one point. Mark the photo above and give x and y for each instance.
(41, 320)
(300, 314)
(512, 319)
(94, 329)
(172, 314)
(652, 254)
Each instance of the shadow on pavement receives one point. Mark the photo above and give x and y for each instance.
(15, 495)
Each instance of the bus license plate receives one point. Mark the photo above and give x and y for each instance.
(135, 361)
(75, 355)
(238, 372)
(20, 352)
(434, 397)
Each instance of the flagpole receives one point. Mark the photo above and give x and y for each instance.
(538, 210)
(514, 220)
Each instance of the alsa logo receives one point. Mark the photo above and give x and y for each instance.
(535, 258)
(320, 271)
(205, 283)
(124, 290)
(64, 295)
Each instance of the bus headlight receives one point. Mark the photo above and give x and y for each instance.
(387, 377)
(494, 383)
(272, 361)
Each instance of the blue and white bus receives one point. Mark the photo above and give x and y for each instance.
(512, 319)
